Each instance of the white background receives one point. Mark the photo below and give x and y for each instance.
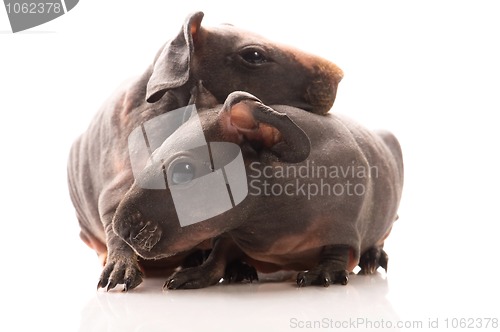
(427, 70)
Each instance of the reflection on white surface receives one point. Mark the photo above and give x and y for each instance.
(270, 306)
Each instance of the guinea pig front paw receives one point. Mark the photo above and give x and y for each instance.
(193, 278)
(322, 275)
(120, 270)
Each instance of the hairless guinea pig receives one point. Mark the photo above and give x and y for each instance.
(311, 193)
(226, 59)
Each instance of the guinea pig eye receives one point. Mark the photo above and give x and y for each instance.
(253, 57)
(182, 173)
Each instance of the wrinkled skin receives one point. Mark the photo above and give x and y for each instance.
(323, 236)
(226, 59)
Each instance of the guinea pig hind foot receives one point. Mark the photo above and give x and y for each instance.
(372, 259)
(332, 268)
(239, 271)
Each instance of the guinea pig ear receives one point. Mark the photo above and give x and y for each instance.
(245, 117)
(171, 67)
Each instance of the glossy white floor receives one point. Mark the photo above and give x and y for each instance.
(429, 73)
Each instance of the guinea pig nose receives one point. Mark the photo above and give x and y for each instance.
(322, 89)
(321, 95)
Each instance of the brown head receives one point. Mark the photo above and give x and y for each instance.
(229, 59)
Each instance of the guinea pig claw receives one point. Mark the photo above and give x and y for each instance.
(109, 287)
(370, 268)
(100, 284)
(301, 280)
(384, 260)
(341, 277)
(126, 285)
(169, 284)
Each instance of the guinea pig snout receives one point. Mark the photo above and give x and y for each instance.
(322, 90)
(140, 233)
(321, 95)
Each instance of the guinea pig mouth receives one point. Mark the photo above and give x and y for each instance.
(144, 234)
